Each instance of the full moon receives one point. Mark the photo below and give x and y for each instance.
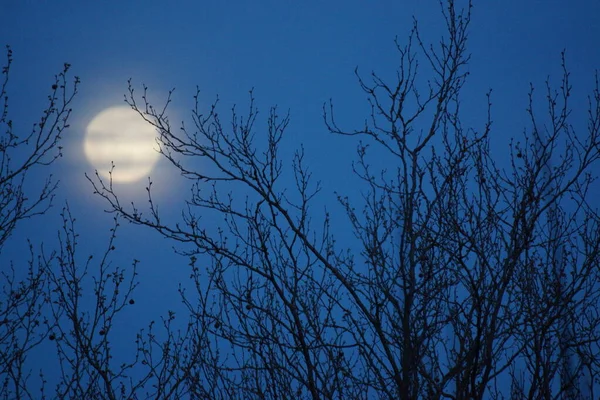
(119, 135)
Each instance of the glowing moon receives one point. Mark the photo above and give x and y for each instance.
(119, 135)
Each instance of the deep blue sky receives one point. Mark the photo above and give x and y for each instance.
(296, 55)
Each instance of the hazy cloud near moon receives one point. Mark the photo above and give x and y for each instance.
(120, 135)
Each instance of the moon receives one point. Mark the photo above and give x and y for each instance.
(119, 135)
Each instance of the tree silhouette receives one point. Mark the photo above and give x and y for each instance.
(456, 284)
(22, 322)
(463, 279)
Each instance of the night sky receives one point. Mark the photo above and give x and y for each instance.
(295, 55)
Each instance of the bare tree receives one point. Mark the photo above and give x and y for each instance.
(558, 279)
(467, 276)
(22, 153)
(22, 322)
(465, 280)
(87, 295)
(51, 300)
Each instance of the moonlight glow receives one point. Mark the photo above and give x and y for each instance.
(119, 135)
